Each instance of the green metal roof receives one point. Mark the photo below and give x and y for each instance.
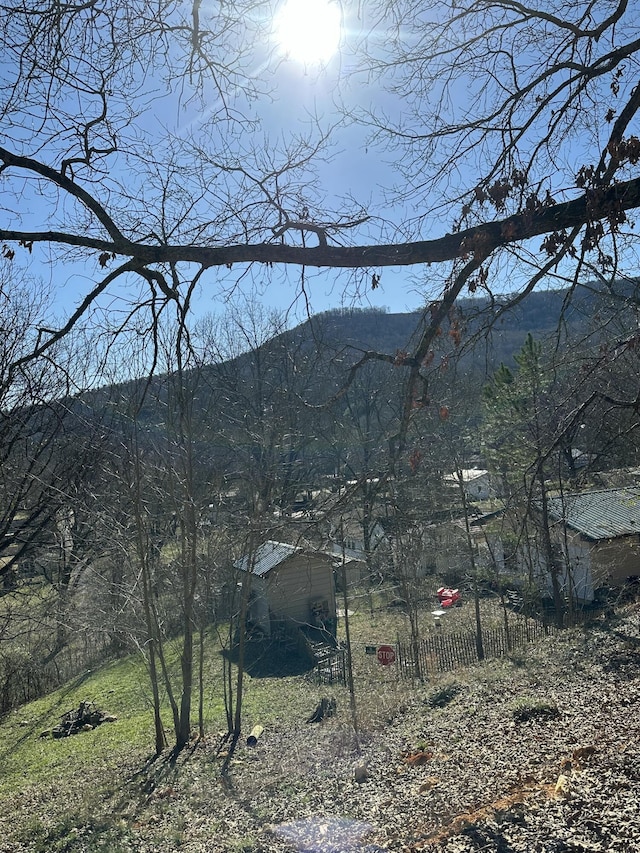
(605, 514)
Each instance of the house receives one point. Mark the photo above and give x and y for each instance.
(447, 548)
(290, 583)
(475, 481)
(348, 539)
(349, 551)
(598, 536)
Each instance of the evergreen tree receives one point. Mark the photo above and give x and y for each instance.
(518, 444)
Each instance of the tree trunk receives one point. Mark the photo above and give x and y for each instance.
(189, 577)
(201, 683)
(347, 629)
(245, 591)
(160, 736)
(472, 561)
(554, 569)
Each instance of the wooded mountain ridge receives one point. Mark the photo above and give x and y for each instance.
(571, 313)
(266, 408)
(328, 344)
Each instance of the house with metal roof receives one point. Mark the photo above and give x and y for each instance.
(599, 536)
(290, 583)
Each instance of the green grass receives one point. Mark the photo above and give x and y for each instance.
(531, 708)
(118, 688)
(122, 688)
(374, 622)
(52, 790)
(82, 793)
(76, 831)
(102, 791)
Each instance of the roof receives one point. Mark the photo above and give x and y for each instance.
(604, 514)
(468, 475)
(268, 556)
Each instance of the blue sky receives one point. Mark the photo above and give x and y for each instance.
(353, 170)
(228, 184)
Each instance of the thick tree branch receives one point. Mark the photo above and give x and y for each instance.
(67, 184)
(478, 241)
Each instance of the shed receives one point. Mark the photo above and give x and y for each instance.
(599, 535)
(291, 583)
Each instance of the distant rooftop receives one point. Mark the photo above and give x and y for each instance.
(468, 475)
(605, 514)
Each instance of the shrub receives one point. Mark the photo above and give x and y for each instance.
(531, 708)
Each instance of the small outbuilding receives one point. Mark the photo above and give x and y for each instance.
(290, 583)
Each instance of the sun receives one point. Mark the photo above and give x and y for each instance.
(308, 31)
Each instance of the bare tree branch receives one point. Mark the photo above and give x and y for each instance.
(478, 241)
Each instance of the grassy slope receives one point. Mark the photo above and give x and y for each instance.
(49, 788)
(100, 790)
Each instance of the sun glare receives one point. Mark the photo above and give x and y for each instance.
(308, 30)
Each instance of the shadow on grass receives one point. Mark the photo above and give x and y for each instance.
(159, 771)
(156, 781)
(263, 659)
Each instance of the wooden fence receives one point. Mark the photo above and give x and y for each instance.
(446, 652)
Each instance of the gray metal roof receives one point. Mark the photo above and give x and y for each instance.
(604, 514)
(268, 556)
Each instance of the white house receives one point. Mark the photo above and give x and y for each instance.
(348, 539)
(475, 481)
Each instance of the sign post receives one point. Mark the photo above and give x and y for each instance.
(386, 655)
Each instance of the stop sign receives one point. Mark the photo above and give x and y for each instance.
(386, 655)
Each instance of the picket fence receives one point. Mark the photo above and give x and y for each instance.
(448, 651)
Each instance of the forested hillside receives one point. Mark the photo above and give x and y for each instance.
(571, 314)
(131, 503)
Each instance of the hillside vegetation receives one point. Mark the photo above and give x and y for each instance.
(537, 751)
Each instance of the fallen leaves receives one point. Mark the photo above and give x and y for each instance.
(418, 758)
(453, 773)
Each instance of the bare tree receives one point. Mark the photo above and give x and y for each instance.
(264, 379)
(47, 447)
(507, 123)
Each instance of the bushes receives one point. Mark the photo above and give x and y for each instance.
(23, 678)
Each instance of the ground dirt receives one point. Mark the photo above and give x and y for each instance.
(534, 752)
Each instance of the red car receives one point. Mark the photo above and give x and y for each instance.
(448, 597)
